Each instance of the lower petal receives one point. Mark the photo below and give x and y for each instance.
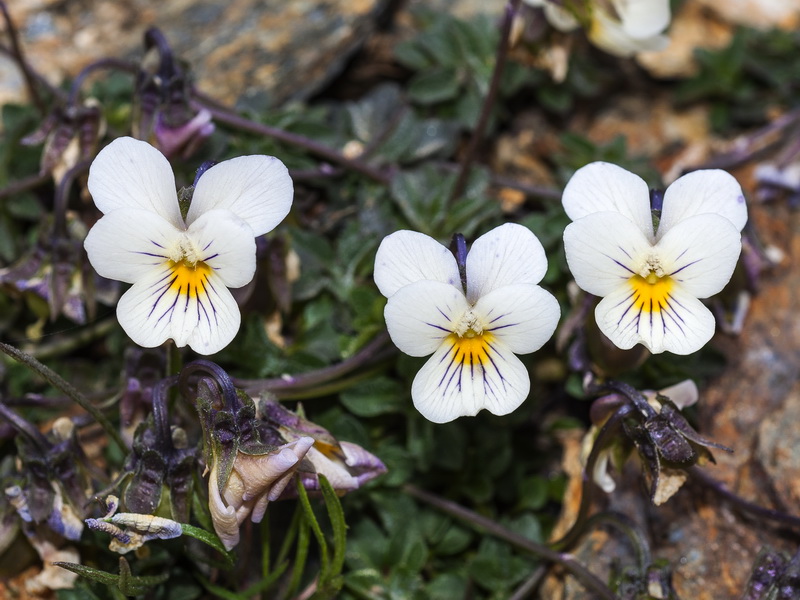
(191, 307)
(681, 324)
(455, 383)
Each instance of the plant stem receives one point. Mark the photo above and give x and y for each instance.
(607, 433)
(327, 389)
(366, 355)
(530, 584)
(103, 63)
(17, 53)
(722, 490)
(61, 199)
(228, 117)
(567, 562)
(486, 110)
(68, 343)
(23, 185)
(24, 427)
(627, 526)
(60, 383)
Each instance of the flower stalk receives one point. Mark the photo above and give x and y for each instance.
(66, 387)
(568, 563)
(488, 103)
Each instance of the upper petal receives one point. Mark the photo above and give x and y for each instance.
(710, 191)
(408, 256)
(604, 250)
(454, 383)
(128, 243)
(601, 187)
(700, 253)
(679, 323)
(129, 173)
(257, 189)
(227, 245)
(643, 18)
(522, 316)
(422, 314)
(505, 255)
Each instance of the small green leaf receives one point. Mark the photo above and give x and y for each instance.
(434, 85)
(336, 515)
(208, 538)
(376, 396)
(311, 519)
(125, 581)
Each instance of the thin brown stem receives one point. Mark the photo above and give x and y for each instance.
(54, 91)
(103, 63)
(752, 508)
(65, 386)
(566, 561)
(62, 198)
(366, 355)
(23, 185)
(607, 433)
(228, 117)
(486, 110)
(19, 56)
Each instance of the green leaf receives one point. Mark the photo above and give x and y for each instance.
(336, 515)
(411, 55)
(125, 581)
(374, 397)
(533, 492)
(311, 519)
(210, 539)
(434, 85)
(301, 554)
(447, 586)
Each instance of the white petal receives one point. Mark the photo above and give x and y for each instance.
(223, 517)
(452, 384)
(600, 474)
(523, 316)
(602, 187)
(227, 245)
(561, 19)
(257, 189)
(159, 307)
(335, 471)
(128, 243)
(129, 173)
(701, 192)
(608, 34)
(604, 250)
(422, 314)
(682, 394)
(407, 257)
(505, 255)
(643, 18)
(700, 253)
(681, 325)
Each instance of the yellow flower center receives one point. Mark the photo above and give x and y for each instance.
(471, 348)
(651, 293)
(189, 279)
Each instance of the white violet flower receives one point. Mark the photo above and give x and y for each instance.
(620, 27)
(473, 333)
(651, 276)
(181, 269)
